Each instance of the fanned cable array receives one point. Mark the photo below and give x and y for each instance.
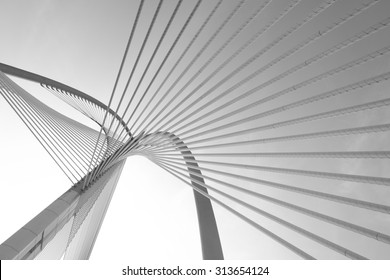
(68, 142)
(275, 111)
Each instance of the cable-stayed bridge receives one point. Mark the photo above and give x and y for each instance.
(274, 111)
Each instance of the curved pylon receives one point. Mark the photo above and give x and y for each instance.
(210, 241)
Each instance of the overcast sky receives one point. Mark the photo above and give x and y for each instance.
(152, 214)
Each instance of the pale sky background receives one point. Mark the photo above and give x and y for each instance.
(152, 214)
